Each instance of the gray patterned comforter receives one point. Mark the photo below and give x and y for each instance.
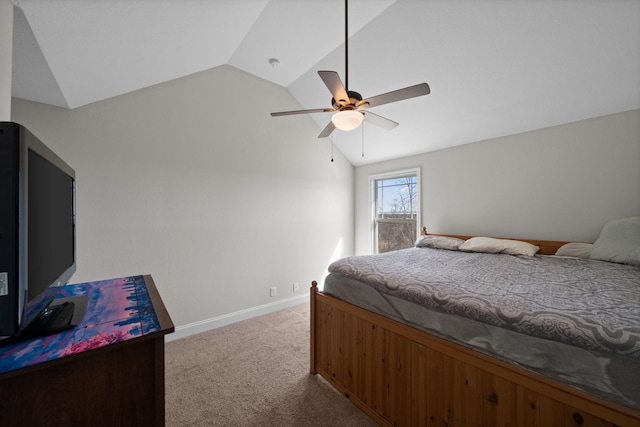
(585, 303)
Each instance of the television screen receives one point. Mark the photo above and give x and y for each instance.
(51, 223)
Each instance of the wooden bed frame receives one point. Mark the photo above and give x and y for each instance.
(403, 376)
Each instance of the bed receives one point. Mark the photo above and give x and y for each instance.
(480, 334)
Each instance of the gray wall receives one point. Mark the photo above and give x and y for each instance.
(559, 183)
(194, 183)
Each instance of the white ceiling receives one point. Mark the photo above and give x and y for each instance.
(495, 67)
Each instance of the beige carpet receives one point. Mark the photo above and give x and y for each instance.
(253, 373)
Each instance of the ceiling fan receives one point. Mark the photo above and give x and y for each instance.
(349, 107)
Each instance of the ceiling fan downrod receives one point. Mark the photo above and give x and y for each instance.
(346, 44)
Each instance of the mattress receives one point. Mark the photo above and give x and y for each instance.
(573, 320)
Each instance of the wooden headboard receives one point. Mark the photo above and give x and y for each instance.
(547, 247)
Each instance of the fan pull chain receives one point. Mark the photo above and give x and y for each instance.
(332, 144)
(362, 140)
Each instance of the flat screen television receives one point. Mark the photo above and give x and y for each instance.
(37, 229)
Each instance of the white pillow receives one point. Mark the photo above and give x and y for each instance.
(576, 250)
(494, 246)
(439, 242)
(619, 241)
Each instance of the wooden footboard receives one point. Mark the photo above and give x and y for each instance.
(406, 377)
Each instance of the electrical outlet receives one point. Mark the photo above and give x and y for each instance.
(272, 291)
(296, 286)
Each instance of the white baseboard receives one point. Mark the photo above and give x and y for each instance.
(226, 319)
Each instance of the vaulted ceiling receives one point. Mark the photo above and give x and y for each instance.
(495, 67)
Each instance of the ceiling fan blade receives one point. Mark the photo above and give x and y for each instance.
(396, 95)
(335, 86)
(327, 130)
(377, 120)
(289, 113)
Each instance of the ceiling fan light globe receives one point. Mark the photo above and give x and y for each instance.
(347, 120)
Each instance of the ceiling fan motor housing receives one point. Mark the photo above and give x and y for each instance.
(350, 104)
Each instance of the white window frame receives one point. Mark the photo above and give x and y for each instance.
(372, 201)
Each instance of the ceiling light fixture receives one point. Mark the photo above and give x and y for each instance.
(347, 119)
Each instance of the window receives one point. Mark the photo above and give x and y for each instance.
(396, 212)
